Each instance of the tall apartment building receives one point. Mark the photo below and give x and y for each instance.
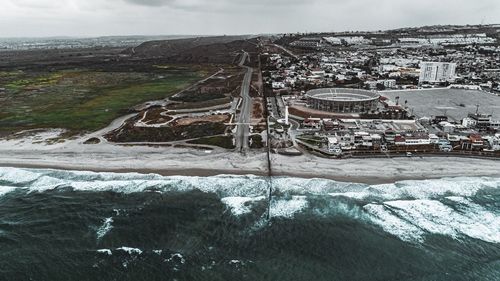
(437, 72)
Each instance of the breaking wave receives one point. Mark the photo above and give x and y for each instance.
(105, 228)
(410, 210)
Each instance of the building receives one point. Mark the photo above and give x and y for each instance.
(412, 139)
(483, 121)
(437, 72)
(308, 42)
(468, 122)
(342, 100)
(474, 142)
(494, 142)
(447, 127)
(495, 125)
(278, 85)
(388, 83)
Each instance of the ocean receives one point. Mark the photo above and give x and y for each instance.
(73, 225)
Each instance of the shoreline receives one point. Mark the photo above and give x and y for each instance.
(29, 152)
(197, 172)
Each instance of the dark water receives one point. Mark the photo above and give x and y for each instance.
(58, 225)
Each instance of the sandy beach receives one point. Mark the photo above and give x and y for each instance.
(384, 170)
(34, 152)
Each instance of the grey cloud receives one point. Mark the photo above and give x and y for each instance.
(111, 17)
(219, 4)
(153, 3)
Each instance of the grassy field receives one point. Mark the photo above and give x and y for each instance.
(83, 100)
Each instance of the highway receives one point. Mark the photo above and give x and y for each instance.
(243, 125)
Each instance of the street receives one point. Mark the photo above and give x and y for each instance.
(243, 125)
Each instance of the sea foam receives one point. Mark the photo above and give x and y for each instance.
(104, 228)
(408, 209)
(240, 205)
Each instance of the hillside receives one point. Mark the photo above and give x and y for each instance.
(221, 49)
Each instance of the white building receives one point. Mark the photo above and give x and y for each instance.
(447, 127)
(494, 142)
(388, 83)
(468, 122)
(495, 125)
(436, 72)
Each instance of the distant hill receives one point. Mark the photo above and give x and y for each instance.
(221, 49)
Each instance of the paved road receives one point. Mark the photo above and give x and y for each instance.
(243, 126)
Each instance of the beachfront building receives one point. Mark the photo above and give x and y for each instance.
(412, 139)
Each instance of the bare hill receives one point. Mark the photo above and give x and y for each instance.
(222, 49)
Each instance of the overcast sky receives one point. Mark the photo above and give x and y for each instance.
(20, 18)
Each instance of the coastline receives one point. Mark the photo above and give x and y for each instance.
(363, 175)
(176, 161)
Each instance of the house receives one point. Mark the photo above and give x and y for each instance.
(417, 139)
(468, 122)
(476, 141)
(371, 85)
(311, 123)
(483, 121)
(329, 125)
(388, 83)
(412, 139)
(334, 146)
(447, 127)
(494, 142)
(439, 119)
(433, 139)
(495, 125)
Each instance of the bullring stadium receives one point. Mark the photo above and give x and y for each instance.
(342, 100)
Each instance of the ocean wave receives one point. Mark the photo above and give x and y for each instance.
(241, 186)
(105, 251)
(18, 177)
(6, 189)
(40, 180)
(131, 251)
(240, 205)
(411, 220)
(423, 189)
(380, 215)
(287, 208)
(104, 228)
(409, 210)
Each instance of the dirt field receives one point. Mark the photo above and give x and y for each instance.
(210, 118)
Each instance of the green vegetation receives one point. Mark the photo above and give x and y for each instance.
(130, 133)
(33, 83)
(81, 100)
(256, 141)
(220, 141)
(313, 140)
